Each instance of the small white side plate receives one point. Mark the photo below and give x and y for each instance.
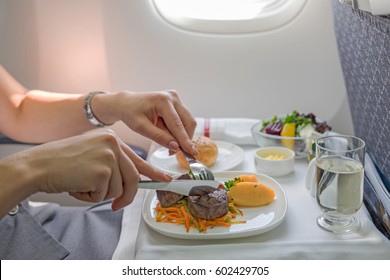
(229, 156)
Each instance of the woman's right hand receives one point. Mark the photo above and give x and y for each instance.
(92, 167)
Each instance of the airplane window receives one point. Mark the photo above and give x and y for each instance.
(228, 16)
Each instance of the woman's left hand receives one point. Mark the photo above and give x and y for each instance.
(160, 116)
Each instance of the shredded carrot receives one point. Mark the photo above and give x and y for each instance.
(203, 225)
(186, 218)
(180, 214)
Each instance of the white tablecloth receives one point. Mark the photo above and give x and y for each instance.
(297, 237)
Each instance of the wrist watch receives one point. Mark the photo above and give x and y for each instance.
(88, 110)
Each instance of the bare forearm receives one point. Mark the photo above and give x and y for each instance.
(41, 117)
(38, 116)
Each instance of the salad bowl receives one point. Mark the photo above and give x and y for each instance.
(300, 141)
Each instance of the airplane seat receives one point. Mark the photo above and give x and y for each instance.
(364, 50)
(364, 42)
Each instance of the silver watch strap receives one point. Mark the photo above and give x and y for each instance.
(88, 110)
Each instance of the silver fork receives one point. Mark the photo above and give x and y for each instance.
(198, 171)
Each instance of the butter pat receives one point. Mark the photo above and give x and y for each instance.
(275, 157)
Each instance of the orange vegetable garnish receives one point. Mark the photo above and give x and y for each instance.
(180, 215)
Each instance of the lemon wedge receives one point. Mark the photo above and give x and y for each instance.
(288, 130)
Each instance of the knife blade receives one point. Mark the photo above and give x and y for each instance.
(178, 186)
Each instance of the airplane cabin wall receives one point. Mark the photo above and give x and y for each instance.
(79, 46)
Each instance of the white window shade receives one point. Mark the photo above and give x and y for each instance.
(229, 16)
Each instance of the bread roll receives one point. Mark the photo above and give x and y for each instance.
(208, 152)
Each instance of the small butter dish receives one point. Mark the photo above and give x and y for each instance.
(274, 161)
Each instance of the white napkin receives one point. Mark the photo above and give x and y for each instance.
(130, 224)
(233, 130)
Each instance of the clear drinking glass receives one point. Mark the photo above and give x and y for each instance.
(340, 179)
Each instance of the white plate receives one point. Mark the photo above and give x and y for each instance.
(229, 156)
(258, 219)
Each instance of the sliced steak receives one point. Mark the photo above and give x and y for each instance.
(205, 202)
(168, 198)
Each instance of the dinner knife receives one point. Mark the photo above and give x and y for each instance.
(178, 186)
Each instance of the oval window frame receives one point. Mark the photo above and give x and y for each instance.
(276, 16)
